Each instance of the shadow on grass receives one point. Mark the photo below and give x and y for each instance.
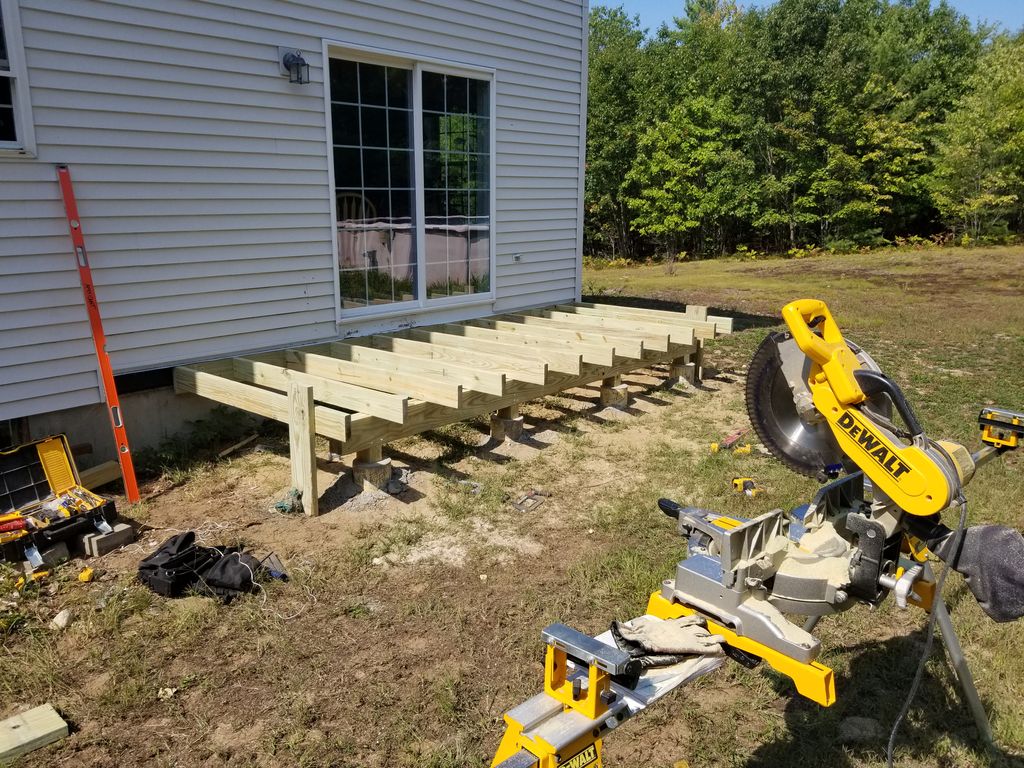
(937, 728)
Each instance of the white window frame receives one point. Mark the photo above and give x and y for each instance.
(417, 64)
(25, 143)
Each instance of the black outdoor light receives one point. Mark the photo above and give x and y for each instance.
(296, 67)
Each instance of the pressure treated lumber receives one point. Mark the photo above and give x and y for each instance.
(452, 336)
(598, 354)
(517, 369)
(422, 386)
(702, 329)
(491, 382)
(367, 430)
(566, 361)
(94, 477)
(722, 324)
(337, 393)
(271, 405)
(302, 445)
(28, 731)
(677, 334)
(657, 341)
(542, 331)
(362, 393)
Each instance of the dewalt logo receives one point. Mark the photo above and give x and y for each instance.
(581, 759)
(873, 446)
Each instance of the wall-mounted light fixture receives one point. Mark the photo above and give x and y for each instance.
(294, 65)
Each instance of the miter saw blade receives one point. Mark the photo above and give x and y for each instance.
(782, 412)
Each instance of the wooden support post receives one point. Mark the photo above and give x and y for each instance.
(335, 449)
(302, 443)
(697, 358)
(614, 393)
(371, 471)
(507, 424)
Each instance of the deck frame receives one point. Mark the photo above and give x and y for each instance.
(362, 393)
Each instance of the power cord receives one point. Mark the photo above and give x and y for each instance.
(930, 639)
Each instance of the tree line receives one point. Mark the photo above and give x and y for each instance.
(807, 124)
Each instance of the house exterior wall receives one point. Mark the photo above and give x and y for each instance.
(203, 185)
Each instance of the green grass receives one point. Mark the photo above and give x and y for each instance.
(352, 664)
(949, 327)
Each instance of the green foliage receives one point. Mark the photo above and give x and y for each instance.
(978, 182)
(803, 124)
(614, 66)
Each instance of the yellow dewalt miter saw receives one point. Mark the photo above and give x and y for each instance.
(822, 407)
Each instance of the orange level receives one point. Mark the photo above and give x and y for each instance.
(124, 454)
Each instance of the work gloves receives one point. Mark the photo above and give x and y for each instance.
(991, 559)
(658, 643)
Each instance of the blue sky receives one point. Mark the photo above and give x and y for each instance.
(1008, 13)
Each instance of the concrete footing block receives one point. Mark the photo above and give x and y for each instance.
(616, 396)
(99, 544)
(682, 373)
(506, 429)
(372, 475)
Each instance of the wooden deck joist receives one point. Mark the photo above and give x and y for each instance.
(364, 392)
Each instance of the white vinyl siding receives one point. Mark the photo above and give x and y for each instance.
(202, 175)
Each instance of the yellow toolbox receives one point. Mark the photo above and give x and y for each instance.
(42, 500)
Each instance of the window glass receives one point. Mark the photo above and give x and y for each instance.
(373, 173)
(5, 65)
(7, 132)
(375, 158)
(456, 174)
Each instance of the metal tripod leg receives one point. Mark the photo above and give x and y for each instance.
(959, 664)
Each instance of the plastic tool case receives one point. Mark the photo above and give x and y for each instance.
(42, 501)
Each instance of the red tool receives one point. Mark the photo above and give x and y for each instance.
(13, 525)
(124, 453)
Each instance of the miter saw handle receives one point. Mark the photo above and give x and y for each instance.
(804, 314)
(875, 383)
(670, 508)
(817, 334)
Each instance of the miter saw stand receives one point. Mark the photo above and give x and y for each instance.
(590, 688)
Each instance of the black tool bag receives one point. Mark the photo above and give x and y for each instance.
(177, 565)
(232, 575)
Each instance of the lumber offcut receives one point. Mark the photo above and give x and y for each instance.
(29, 731)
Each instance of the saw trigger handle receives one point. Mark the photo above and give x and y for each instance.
(875, 383)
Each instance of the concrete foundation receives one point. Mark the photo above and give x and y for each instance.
(614, 393)
(371, 471)
(150, 417)
(507, 424)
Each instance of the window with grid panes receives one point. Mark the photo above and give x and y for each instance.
(386, 244)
